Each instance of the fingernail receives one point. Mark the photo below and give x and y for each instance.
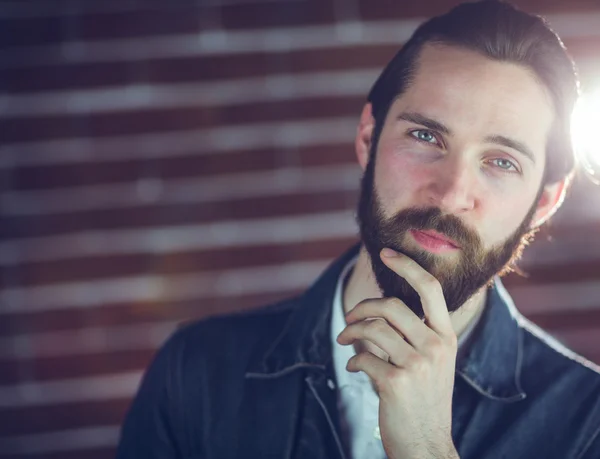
(389, 253)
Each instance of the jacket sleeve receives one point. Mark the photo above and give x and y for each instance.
(149, 430)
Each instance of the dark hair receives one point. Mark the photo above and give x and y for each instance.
(498, 31)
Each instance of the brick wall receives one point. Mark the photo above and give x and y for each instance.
(163, 163)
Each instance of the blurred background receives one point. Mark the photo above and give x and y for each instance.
(161, 163)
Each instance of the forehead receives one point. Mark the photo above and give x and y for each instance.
(472, 93)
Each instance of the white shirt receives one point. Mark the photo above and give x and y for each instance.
(358, 403)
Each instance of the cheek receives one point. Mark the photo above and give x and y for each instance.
(398, 177)
(502, 217)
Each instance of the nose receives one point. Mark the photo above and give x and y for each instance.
(453, 188)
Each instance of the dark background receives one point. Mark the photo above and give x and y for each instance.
(162, 163)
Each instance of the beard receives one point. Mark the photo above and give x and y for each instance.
(460, 279)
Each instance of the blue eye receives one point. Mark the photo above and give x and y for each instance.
(424, 136)
(505, 164)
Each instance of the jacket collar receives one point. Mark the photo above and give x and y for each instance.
(490, 363)
(304, 340)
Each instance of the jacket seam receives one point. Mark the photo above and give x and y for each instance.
(589, 443)
(285, 371)
(520, 348)
(330, 422)
(515, 398)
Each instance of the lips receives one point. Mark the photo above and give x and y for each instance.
(440, 237)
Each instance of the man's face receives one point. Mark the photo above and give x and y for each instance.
(457, 172)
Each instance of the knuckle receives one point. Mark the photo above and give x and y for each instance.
(416, 363)
(439, 349)
(394, 378)
(453, 341)
(434, 344)
(361, 304)
(410, 263)
(431, 283)
(375, 326)
(360, 359)
(391, 304)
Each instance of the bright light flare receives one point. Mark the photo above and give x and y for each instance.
(585, 129)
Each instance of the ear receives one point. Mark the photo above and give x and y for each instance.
(364, 135)
(551, 199)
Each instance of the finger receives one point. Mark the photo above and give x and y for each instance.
(373, 366)
(380, 333)
(397, 314)
(427, 287)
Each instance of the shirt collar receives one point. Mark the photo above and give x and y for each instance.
(341, 354)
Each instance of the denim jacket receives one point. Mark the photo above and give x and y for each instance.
(260, 384)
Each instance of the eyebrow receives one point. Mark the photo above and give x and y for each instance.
(511, 143)
(418, 118)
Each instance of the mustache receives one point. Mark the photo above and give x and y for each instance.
(432, 218)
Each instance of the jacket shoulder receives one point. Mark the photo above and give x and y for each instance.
(246, 321)
(565, 383)
(539, 347)
(229, 339)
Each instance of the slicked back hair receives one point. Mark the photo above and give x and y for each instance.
(498, 31)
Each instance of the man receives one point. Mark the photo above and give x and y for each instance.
(407, 346)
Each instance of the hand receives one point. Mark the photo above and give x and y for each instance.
(415, 385)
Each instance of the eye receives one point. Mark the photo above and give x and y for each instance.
(505, 164)
(424, 136)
